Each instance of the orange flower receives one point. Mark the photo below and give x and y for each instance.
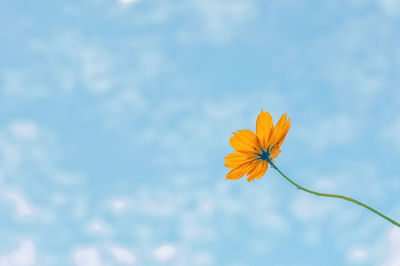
(255, 151)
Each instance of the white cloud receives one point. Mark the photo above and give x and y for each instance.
(16, 81)
(22, 207)
(357, 68)
(160, 204)
(213, 21)
(333, 131)
(128, 2)
(24, 255)
(219, 21)
(391, 7)
(122, 255)
(10, 156)
(72, 62)
(273, 221)
(24, 130)
(164, 252)
(96, 70)
(358, 255)
(124, 104)
(310, 207)
(392, 248)
(203, 259)
(88, 256)
(151, 63)
(392, 132)
(25, 142)
(120, 204)
(98, 227)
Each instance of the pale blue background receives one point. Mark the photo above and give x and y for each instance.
(115, 117)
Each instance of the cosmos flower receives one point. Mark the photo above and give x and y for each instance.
(255, 151)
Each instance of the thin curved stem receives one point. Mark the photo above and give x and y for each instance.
(334, 196)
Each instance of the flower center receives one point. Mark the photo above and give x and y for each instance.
(265, 154)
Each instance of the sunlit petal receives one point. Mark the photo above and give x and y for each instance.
(245, 141)
(235, 159)
(264, 127)
(240, 171)
(258, 171)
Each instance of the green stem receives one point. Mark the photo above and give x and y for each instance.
(334, 196)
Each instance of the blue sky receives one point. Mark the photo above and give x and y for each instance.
(115, 117)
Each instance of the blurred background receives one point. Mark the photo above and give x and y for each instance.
(115, 118)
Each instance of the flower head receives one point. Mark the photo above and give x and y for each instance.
(254, 151)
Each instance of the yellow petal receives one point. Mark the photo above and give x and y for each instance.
(240, 171)
(235, 159)
(274, 153)
(245, 141)
(280, 131)
(264, 127)
(283, 133)
(277, 129)
(258, 171)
